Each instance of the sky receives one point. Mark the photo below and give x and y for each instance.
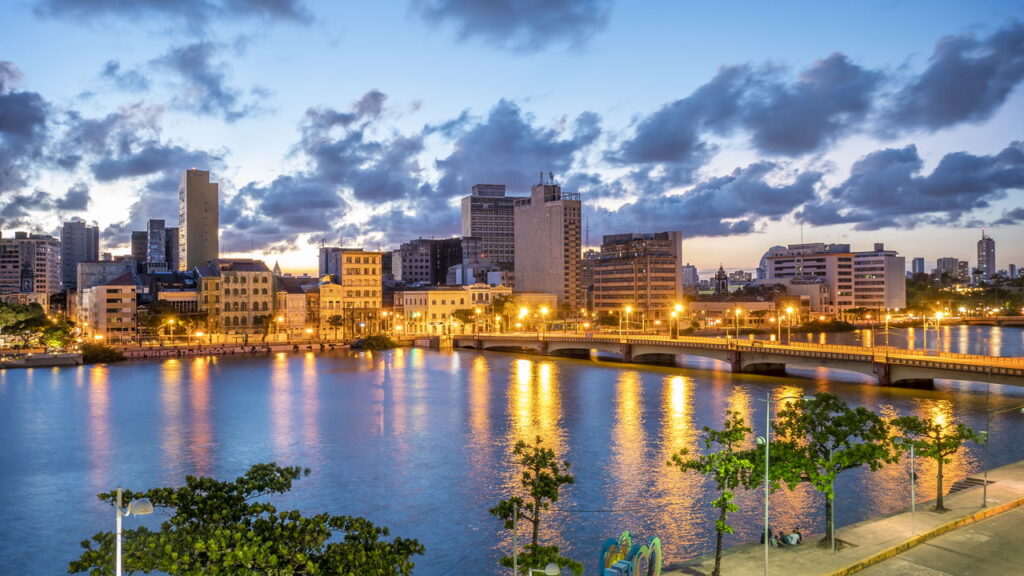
(743, 124)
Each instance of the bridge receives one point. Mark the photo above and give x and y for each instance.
(889, 366)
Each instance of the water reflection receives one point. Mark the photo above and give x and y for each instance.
(281, 407)
(201, 440)
(100, 438)
(172, 403)
(629, 465)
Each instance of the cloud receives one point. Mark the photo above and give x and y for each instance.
(782, 117)
(886, 189)
(16, 209)
(204, 86)
(193, 11)
(719, 206)
(127, 80)
(520, 25)
(1011, 217)
(508, 148)
(966, 80)
(23, 129)
(76, 199)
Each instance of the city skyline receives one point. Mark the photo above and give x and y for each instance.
(764, 139)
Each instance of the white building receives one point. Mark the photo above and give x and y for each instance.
(548, 243)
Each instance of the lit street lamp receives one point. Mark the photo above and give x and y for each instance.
(543, 319)
(789, 324)
(737, 316)
(138, 507)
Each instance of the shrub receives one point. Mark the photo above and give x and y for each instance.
(100, 353)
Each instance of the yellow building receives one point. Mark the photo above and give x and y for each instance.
(237, 296)
(108, 311)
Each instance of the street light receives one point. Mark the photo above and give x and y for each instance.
(985, 436)
(766, 442)
(737, 315)
(629, 310)
(551, 569)
(789, 324)
(543, 319)
(138, 507)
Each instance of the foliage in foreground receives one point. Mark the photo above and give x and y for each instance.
(822, 437)
(100, 354)
(936, 440)
(728, 467)
(221, 528)
(542, 476)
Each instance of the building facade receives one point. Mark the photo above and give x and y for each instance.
(427, 260)
(986, 256)
(873, 279)
(432, 310)
(30, 264)
(548, 243)
(79, 243)
(108, 311)
(198, 219)
(237, 296)
(641, 271)
(488, 214)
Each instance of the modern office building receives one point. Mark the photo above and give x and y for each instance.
(198, 219)
(917, 266)
(641, 271)
(79, 243)
(690, 277)
(489, 214)
(30, 263)
(140, 246)
(949, 266)
(427, 260)
(548, 243)
(874, 279)
(986, 256)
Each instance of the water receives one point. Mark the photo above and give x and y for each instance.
(419, 441)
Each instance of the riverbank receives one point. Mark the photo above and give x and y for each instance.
(875, 540)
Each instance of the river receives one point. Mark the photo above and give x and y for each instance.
(420, 440)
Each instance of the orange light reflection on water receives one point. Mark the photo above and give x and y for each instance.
(280, 407)
(201, 443)
(172, 444)
(100, 441)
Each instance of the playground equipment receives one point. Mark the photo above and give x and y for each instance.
(623, 557)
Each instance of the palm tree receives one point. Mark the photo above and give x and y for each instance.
(336, 321)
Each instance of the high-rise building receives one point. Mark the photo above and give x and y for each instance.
(79, 243)
(873, 279)
(490, 215)
(198, 219)
(30, 263)
(642, 271)
(427, 260)
(140, 246)
(948, 266)
(986, 256)
(548, 243)
(690, 277)
(1012, 271)
(917, 266)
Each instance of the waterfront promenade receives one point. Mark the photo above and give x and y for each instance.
(877, 543)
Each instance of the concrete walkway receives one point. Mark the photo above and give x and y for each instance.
(873, 540)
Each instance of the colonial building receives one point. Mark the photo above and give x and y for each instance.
(237, 295)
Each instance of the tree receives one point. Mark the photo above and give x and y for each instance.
(821, 437)
(728, 467)
(936, 440)
(542, 477)
(336, 321)
(220, 528)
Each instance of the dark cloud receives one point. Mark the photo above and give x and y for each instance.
(205, 89)
(886, 189)
(508, 148)
(192, 11)
(16, 208)
(1011, 217)
(782, 117)
(76, 199)
(719, 206)
(966, 80)
(127, 80)
(522, 25)
(23, 129)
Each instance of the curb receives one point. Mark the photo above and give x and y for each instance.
(925, 536)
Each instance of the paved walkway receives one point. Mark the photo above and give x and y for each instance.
(881, 539)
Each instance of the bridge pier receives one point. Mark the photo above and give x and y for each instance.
(627, 353)
(883, 374)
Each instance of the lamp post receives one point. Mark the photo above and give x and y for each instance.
(989, 413)
(887, 318)
(676, 313)
(629, 310)
(543, 319)
(766, 442)
(551, 569)
(138, 507)
(737, 322)
(789, 324)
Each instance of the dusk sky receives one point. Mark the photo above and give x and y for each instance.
(742, 124)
